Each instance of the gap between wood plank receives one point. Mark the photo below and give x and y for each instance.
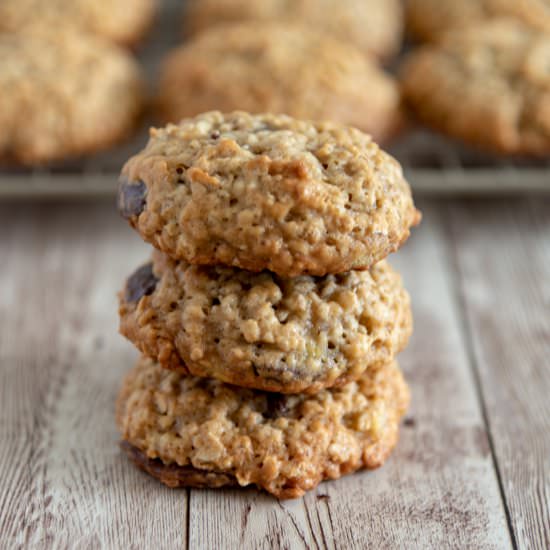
(467, 336)
(441, 487)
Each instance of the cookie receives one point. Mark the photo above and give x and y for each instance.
(64, 94)
(122, 21)
(429, 19)
(374, 26)
(189, 431)
(488, 86)
(271, 68)
(267, 192)
(263, 331)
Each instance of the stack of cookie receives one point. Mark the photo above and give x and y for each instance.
(268, 318)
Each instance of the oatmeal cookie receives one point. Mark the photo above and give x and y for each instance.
(122, 21)
(189, 431)
(488, 86)
(273, 68)
(430, 19)
(374, 26)
(263, 331)
(64, 94)
(267, 192)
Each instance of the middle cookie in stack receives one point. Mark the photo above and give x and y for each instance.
(311, 210)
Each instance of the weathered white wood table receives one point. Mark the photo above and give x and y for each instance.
(473, 466)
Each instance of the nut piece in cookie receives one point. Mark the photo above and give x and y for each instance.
(270, 192)
(189, 431)
(279, 68)
(488, 86)
(262, 331)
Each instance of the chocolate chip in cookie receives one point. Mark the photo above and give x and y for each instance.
(141, 283)
(132, 196)
(277, 405)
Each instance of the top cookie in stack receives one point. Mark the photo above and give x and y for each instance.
(267, 192)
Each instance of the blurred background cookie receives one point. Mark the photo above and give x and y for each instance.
(121, 21)
(64, 94)
(262, 67)
(429, 19)
(489, 86)
(375, 26)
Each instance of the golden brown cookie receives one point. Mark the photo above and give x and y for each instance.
(488, 86)
(267, 192)
(274, 68)
(64, 94)
(430, 19)
(189, 431)
(263, 331)
(122, 21)
(374, 26)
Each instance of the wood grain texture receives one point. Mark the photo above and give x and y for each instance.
(64, 482)
(502, 255)
(439, 489)
(476, 356)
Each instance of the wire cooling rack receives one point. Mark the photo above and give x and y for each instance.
(433, 165)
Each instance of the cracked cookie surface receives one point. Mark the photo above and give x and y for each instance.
(488, 86)
(267, 192)
(263, 331)
(189, 431)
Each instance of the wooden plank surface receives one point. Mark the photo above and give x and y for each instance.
(65, 483)
(502, 255)
(440, 486)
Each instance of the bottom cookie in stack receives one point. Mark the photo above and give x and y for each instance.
(196, 432)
